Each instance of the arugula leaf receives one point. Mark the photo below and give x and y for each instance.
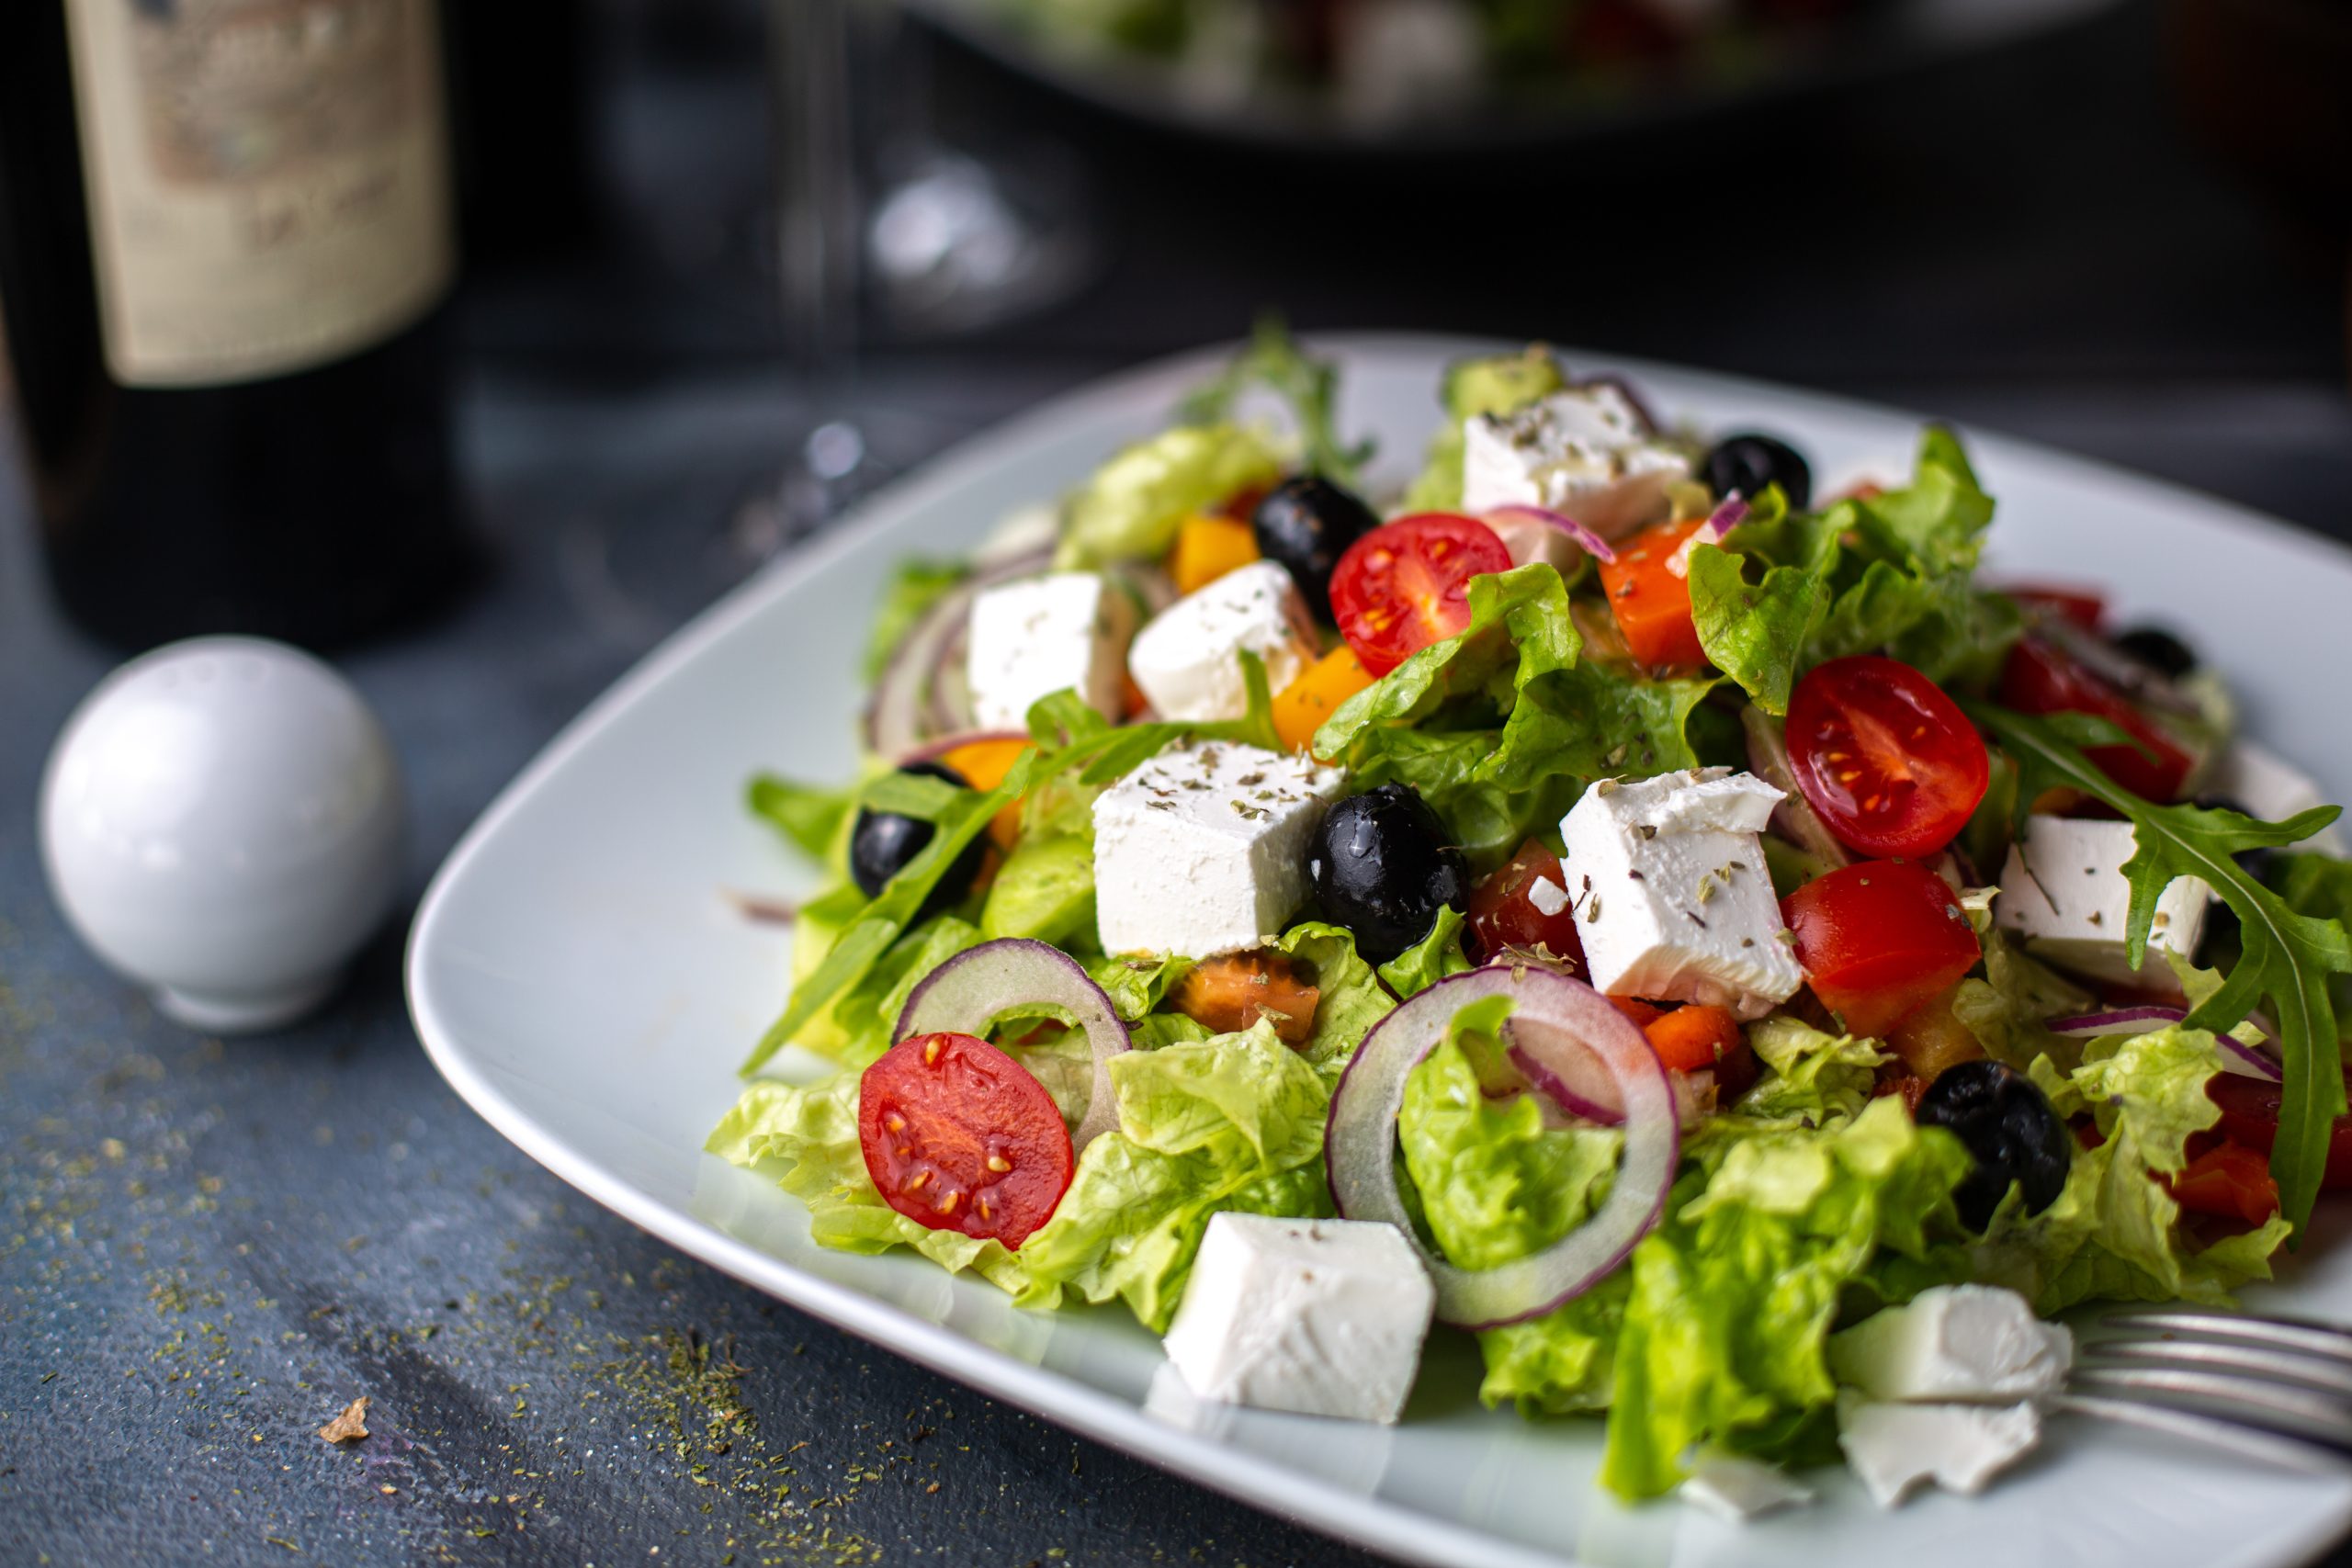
(809, 816)
(1274, 360)
(2287, 957)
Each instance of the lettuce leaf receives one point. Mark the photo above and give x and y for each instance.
(1891, 573)
(1499, 728)
(1431, 959)
(1235, 1122)
(2006, 1011)
(812, 818)
(1815, 1078)
(2114, 1234)
(1131, 508)
(1732, 1296)
(1352, 999)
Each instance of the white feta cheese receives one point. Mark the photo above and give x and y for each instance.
(1893, 1448)
(1031, 639)
(1587, 451)
(1954, 1342)
(2269, 787)
(1323, 1317)
(1202, 849)
(1548, 897)
(1670, 892)
(1738, 1489)
(1187, 660)
(2063, 890)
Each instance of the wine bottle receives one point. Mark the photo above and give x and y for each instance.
(226, 250)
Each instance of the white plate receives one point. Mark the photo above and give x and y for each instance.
(578, 975)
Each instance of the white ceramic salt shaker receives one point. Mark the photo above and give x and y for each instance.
(220, 822)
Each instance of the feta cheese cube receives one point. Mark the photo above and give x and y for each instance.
(1323, 1317)
(1954, 1342)
(1738, 1489)
(1031, 638)
(1893, 1448)
(2063, 890)
(1587, 451)
(1668, 880)
(1187, 660)
(2270, 787)
(1202, 849)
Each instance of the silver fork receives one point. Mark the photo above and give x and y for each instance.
(2277, 1389)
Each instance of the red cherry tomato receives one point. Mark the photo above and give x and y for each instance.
(1890, 762)
(1878, 939)
(1650, 599)
(2084, 606)
(1407, 584)
(958, 1136)
(2250, 1118)
(1503, 912)
(2227, 1179)
(2041, 678)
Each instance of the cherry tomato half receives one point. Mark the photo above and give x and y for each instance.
(1503, 911)
(2084, 606)
(2230, 1181)
(1407, 584)
(1650, 599)
(1890, 762)
(1878, 939)
(2041, 678)
(958, 1136)
(2250, 1117)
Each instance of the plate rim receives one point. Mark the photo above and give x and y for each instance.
(1368, 1521)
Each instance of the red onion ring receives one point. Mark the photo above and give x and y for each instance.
(1359, 1142)
(2116, 1020)
(1590, 542)
(1572, 1078)
(1724, 518)
(971, 990)
(899, 716)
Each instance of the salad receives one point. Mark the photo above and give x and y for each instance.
(1685, 929)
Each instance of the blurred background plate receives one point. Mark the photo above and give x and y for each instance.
(1436, 76)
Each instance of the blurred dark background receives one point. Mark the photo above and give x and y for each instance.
(2125, 235)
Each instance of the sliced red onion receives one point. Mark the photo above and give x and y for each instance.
(1724, 518)
(1590, 542)
(1359, 1143)
(2249, 1061)
(974, 988)
(1794, 819)
(1562, 1071)
(2116, 1020)
(899, 715)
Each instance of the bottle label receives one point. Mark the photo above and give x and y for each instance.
(269, 180)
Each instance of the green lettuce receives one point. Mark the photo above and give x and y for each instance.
(1496, 1184)
(1431, 959)
(1893, 573)
(2009, 1010)
(1813, 1079)
(2114, 1234)
(810, 817)
(1132, 507)
(2320, 886)
(1234, 1122)
(1352, 999)
(1273, 360)
(1734, 1294)
(1500, 384)
(1500, 728)
(1044, 891)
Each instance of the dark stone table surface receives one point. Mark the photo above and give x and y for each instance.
(208, 1248)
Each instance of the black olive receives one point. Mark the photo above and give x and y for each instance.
(1747, 462)
(2008, 1125)
(2159, 650)
(882, 843)
(1383, 869)
(1306, 525)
